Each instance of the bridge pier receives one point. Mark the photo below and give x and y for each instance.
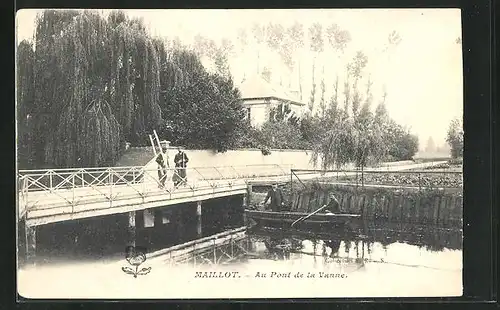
(180, 222)
(131, 229)
(30, 244)
(248, 195)
(198, 219)
(247, 199)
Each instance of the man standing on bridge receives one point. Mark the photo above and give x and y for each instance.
(181, 161)
(162, 166)
(276, 197)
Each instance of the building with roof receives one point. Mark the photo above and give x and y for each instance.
(259, 97)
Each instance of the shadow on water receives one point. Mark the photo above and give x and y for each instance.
(406, 245)
(106, 237)
(430, 238)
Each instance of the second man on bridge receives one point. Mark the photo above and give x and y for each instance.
(181, 161)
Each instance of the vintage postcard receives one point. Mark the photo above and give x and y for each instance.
(187, 154)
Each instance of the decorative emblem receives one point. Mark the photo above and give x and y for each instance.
(135, 256)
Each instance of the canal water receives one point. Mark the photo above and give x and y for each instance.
(386, 260)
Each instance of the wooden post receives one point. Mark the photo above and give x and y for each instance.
(244, 205)
(245, 200)
(30, 244)
(249, 195)
(131, 228)
(198, 218)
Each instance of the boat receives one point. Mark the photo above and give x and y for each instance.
(315, 221)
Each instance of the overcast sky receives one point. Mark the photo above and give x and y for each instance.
(423, 75)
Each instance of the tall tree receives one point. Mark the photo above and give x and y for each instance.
(381, 118)
(338, 39)
(431, 146)
(455, 138)
(25, 102)
(389, 47)
(355, 69)
(312, 98)
(266, 74)
(72, 73)
(276, 40)
(295, 33)
(201, 110)
(322, 103)
(242, 39)
(259, 36)
(317, 47)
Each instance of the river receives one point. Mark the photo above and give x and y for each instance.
(402, 261)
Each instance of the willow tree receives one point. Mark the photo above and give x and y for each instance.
(135, 81)
(47, 81)
(96, 85)
(86, 132)
(25, 102)
(334, 144)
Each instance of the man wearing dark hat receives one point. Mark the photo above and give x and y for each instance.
(276, 197)
(333, 205)
(162, 166)
(180, 161)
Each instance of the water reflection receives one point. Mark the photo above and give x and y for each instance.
(408, 260)
(342, 251)
(430, 238)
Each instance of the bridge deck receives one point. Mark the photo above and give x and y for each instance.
(124, 199)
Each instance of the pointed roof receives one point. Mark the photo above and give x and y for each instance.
(257, 87)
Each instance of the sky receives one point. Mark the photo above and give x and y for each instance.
(422, 75)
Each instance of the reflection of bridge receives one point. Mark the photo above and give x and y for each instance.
(55, 195)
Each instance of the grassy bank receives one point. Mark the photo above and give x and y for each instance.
(428, 179)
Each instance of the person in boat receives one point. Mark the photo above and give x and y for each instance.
(276, 196)
(162, 161)
(333, 205)
(180, 161)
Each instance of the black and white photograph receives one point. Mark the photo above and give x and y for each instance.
(239, 153)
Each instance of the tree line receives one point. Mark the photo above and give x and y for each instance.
(341, 131)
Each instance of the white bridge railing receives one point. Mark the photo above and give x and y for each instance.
(70, 187)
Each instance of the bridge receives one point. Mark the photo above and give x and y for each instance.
(54, 195)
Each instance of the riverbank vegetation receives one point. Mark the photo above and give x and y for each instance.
(88, 83)
(428, 180)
